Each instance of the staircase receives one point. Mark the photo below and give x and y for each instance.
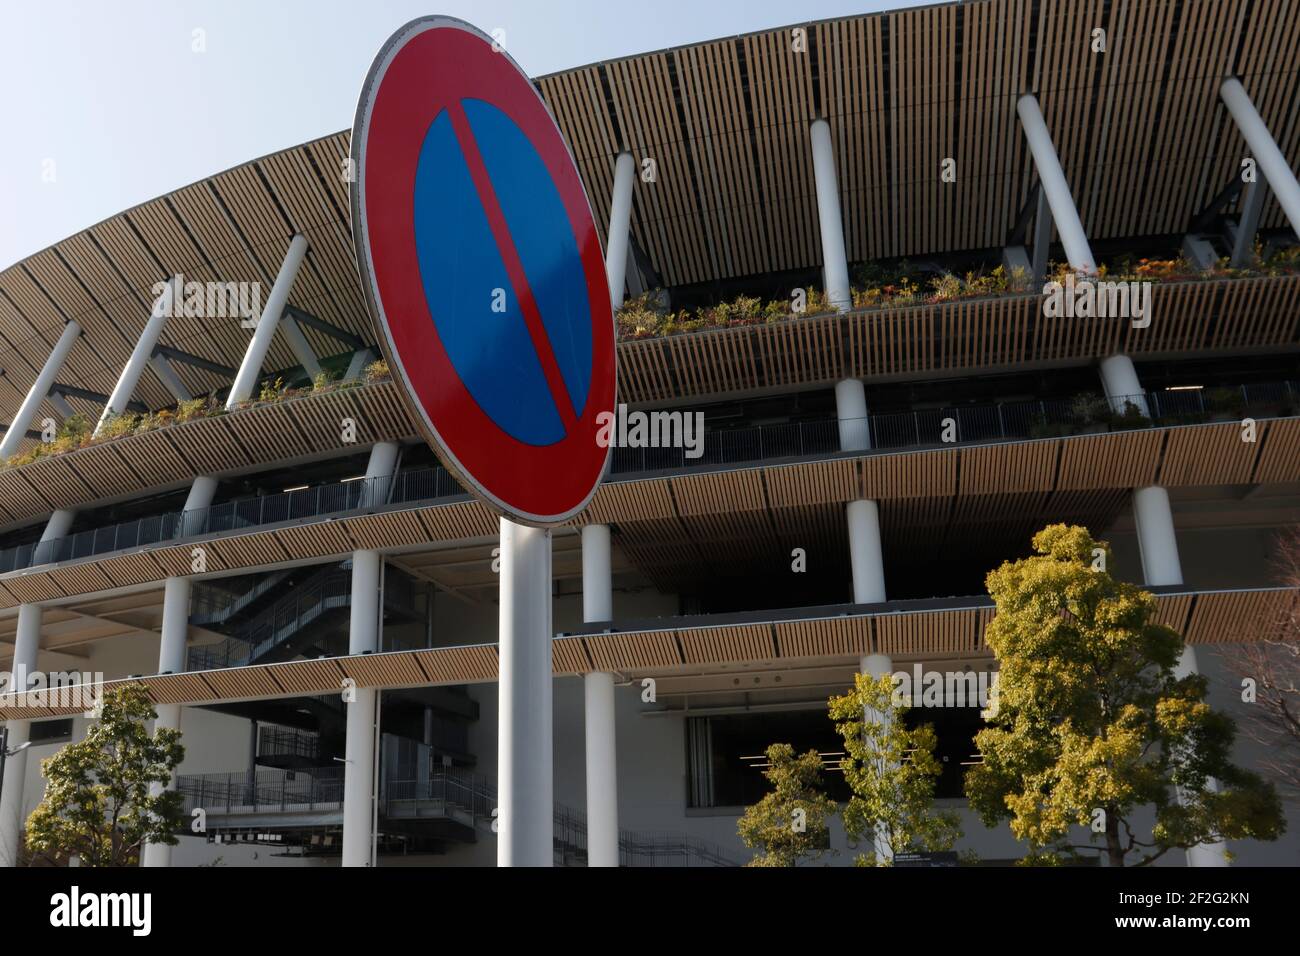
(307, 618)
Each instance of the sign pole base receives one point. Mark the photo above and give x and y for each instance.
(525, 814)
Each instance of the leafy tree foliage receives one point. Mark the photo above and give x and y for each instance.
(789, 824)
(1092, 725)
(98, 802)
(892, 772)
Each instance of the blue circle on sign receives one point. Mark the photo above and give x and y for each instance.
(466, 283)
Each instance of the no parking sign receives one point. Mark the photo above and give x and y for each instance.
(480, 260)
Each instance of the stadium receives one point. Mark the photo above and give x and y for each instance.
(829, 244)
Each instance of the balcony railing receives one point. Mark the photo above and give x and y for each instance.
(945, 426)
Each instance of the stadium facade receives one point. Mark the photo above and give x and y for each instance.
(271, 537)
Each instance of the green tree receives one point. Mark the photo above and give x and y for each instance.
(892, 770)
(97, 802)
(790, 823)
(1092, 725)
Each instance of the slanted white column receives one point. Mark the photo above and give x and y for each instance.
(525, 818)
(11, 439)
(1267, 155)
(876, 666)
(173, 646)
(379, 471)
(1120, 382)
(1050, 174)
(120, 397)
(620, 219)
(302, 349)
(599, 704)
(851, 414)
(251, 367)
(835, 266)
(61, 405)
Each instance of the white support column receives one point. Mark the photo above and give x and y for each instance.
(851, 414)
(1203, 854)
(1120, 382)
(620, 219)
(599, 705)
(876, 666)
(27, 642)
(835, 266)
(357, 365)
(1057, 190)
(11, 439)
(1243, 233)
(359, 750)
(167, 375)
(1160, 566)
(865, 553)
(120, 397)
(525, 801)
(1267, 155)
(302, 349)
(251, 367)
(172, 648)
(364, 634)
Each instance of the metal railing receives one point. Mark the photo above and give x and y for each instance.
(288, 742)
(316, 788)
(944, 426)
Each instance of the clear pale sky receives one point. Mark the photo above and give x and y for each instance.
(112, 98)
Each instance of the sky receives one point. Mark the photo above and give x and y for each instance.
(109, 103)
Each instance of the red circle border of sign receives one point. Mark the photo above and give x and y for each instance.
(469, 443)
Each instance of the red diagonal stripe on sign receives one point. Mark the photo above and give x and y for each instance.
(514, 267)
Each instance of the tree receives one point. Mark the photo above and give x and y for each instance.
(892, 772)
(790, 823)
(1092, 725)
(1272, 664)
(97, 802)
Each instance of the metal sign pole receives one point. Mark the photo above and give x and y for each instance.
(525, 808)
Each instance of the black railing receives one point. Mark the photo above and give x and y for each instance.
(1008, 421)
(317, 788)
(288, 742)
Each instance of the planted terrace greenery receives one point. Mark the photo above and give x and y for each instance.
(78, 432)
(906, 286)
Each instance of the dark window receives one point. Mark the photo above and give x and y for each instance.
(50, 731)
(955, 729)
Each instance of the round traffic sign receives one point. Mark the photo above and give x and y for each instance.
(481, 264)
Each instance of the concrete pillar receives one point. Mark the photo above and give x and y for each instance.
(172, 649)
(362, 712)
(1203, 854)
(851, 413)
(61, 405)
(1160, 566)
(26, 647)
(835, 266)
(379, 472)
(1057, 190)
(524, 754)
(865, 552)
(120, 397)
(876, 666)
(1120, 382)
(620, 219)
(251, 367)
(599, 703)
(1267, 155)
(45, 379)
